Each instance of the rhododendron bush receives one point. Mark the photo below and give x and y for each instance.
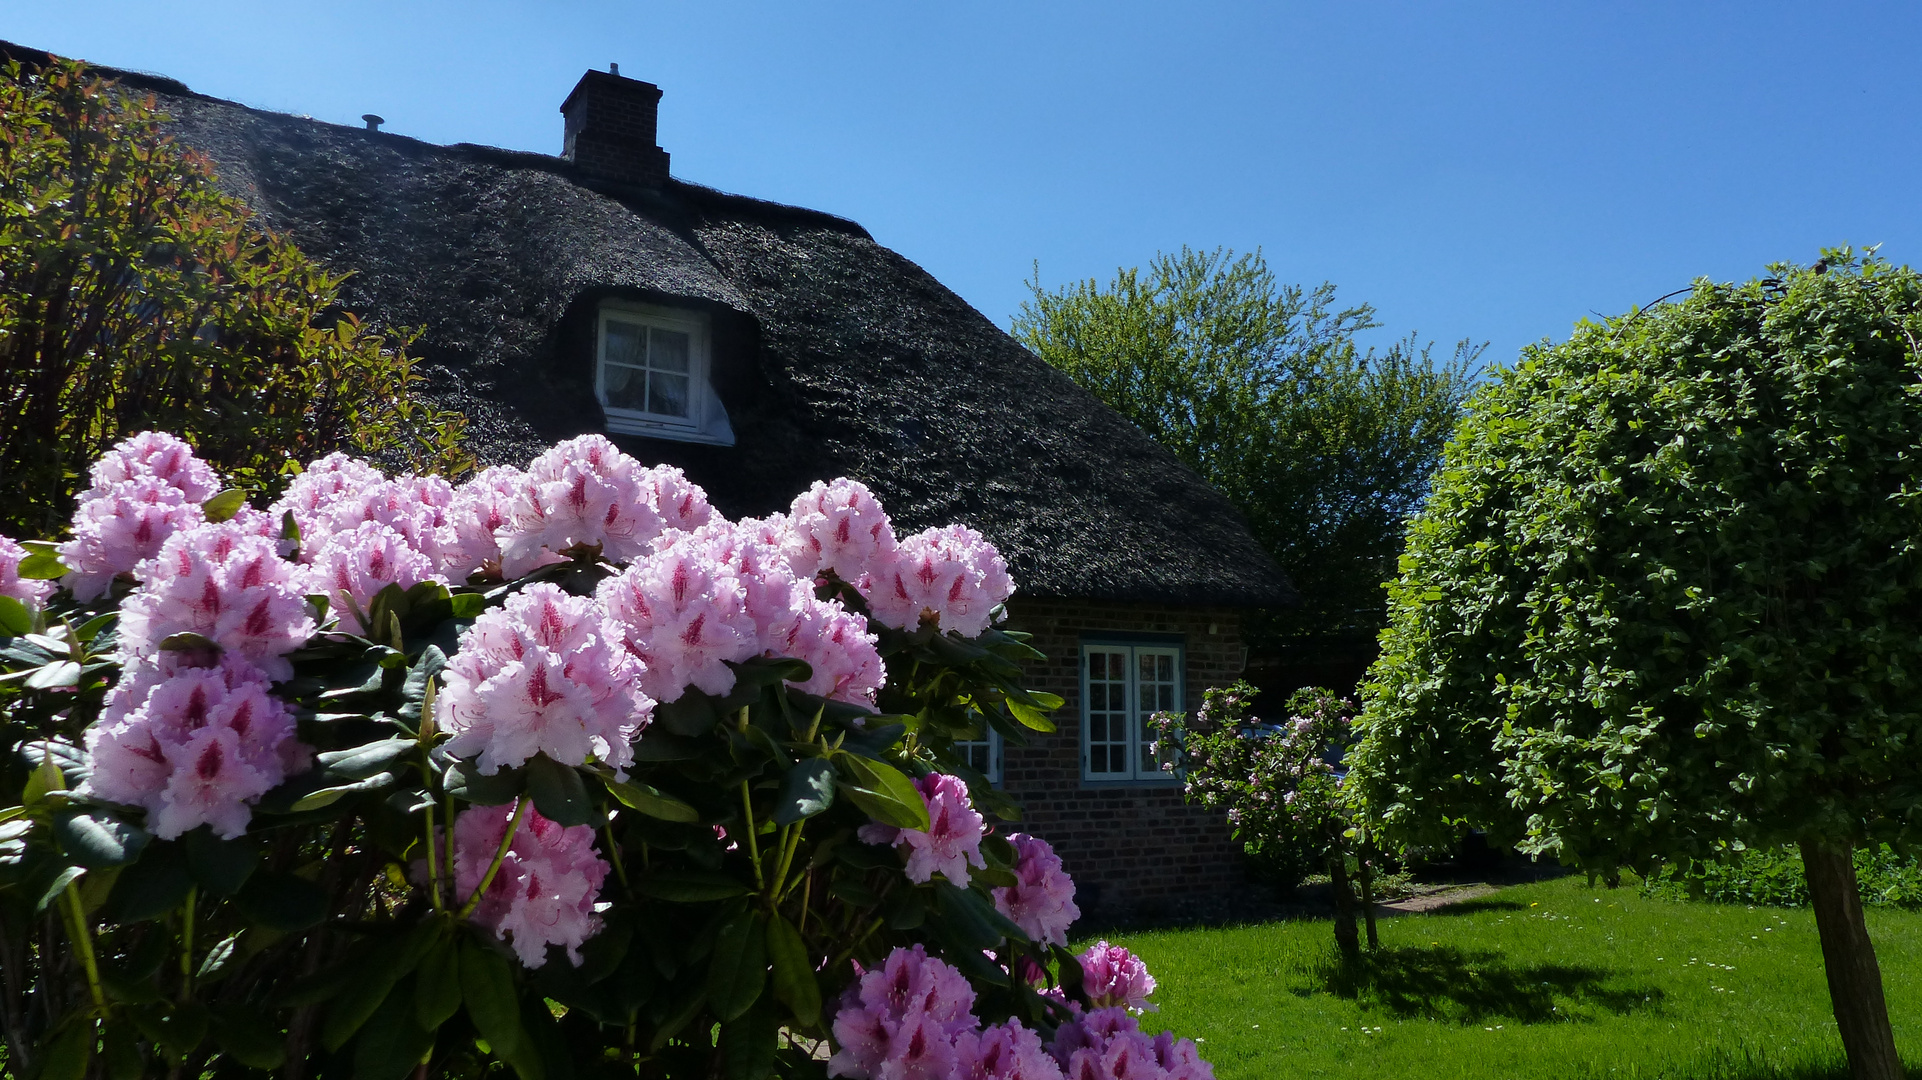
(558, 772)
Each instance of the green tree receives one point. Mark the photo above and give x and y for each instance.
(1665, 602)
(1263, 390)
(135, 294)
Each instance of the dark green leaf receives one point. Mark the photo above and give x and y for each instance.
(322, 798)
(381, 965)
(214, 964)
(969, 920)
(487, 989)
(280, 901)
(650, 801)
(49, 880)
(220, 866)
(692, 715)
(96, 841)
(467, 605)
(659, 745)
(737, 972)
(249, 1038)
(391, 1044)
(153, 886)
(74, 764)
(364, 761)
(187, 642)
(16, 619)
(437, 991)
(748, 1044)
(65, 1057)
(120, 1051)
(1030, 716)
(558, 791)
(793, 970)
(690, 886)
(431, 663)
(41, 566)
(465, 781)
(224, 506)
(806, 790)
(60, 673)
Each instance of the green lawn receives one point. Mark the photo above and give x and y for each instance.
(1552, 980)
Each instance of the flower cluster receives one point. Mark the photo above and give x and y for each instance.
(1041, 902)
(952, 840)
(913, 1019)
(1116, 978)
(144, 490)
(544, 892)
(352, 566)
(949, 577)
(193, 745)
(26, 590)
(1107, 1044)
(226, 584)
(543, 673)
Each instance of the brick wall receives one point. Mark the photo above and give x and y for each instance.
(1133, 849)
(609, 129)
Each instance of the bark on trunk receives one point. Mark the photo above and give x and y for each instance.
(1848, 956)
(1347, 939)
(1368, 898)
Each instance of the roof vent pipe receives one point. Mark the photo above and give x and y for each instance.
(613, 69)
(609, 129)
(373, 122)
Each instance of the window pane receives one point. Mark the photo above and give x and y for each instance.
(626, 387)
(667, 394)
(667, 350)
(625, 344)
(1158, 690)
(1107, 713)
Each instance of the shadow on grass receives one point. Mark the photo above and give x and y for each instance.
(1445, 983)
(1478, 906)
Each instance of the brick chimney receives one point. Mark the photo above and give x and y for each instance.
(609, 129)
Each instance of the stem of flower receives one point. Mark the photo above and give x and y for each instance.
(807, 894)
(83, 941)
(792, 844)
(433, 860)
(614, 854)
(453, 886)
(507, 841)
(753, 844)
(187, 944)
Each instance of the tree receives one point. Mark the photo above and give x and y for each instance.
(135, 294)
(1262, 389)
(1665, 601)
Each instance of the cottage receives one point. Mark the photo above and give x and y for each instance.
(761, 347)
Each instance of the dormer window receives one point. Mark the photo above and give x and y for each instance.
(652, 375)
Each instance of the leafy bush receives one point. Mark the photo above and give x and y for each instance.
(557, 772)
(1774, 877)
(134, 293)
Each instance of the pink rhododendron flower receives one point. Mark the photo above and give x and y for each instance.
(352, 566)
(312, 495)
(25, 590)
(835, 642)
(543, 673)
(156, 455)
(1006, 1052)
(837, 526)
(685, 617)
(1115, 977)
(746, 549)
(1180, 1059)
(952, 840)
(545, 890)
(482, 507)
(904, 1020)
(225, 584)
(680, 502)
(119, 526)
(582, 493)
(193, 746)
(1041, 903)
(418, 508)
(950, 576)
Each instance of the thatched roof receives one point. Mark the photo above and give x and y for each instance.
(860, 363)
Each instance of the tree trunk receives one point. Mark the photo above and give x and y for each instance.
(1347, 939)
(1848, 956)
(1368, 897)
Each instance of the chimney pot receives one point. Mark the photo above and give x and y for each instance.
(373, 122)
(609, 129)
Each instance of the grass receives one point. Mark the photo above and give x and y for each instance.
(1553, 980)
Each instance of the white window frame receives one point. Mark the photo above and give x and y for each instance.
(992, 742)
(1133, 710)
(706, 419)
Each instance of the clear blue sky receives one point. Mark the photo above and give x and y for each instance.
(1482, 170)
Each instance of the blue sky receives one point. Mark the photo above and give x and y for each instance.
(1492, 171)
